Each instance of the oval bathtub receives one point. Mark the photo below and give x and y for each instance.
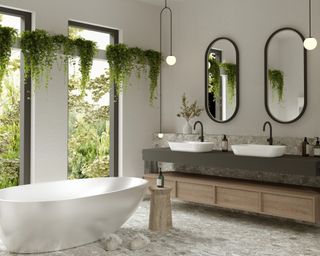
(58, 215)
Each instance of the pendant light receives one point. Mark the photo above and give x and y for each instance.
(171, 59)
(310, 43)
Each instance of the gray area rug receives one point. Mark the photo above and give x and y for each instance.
(208, 231)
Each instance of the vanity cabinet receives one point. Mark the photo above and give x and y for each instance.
(290, 202)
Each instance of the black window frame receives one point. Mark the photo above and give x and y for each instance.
(25, 105)
(114, 107)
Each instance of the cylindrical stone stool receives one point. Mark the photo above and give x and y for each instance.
(160, 218)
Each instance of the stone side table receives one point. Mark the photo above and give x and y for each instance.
(160, 218)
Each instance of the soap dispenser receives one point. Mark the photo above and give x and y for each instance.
(224, 144)
(316, 148)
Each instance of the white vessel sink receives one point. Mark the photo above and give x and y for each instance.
(259, 150)
(191, 146)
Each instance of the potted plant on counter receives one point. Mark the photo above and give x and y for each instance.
(188, 112)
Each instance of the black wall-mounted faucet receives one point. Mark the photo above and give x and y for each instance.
(270, 140)
(194, 127)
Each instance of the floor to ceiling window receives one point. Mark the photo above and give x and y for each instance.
(93, 114)
(15, 100)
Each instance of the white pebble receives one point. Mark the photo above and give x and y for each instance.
(139, 241)
(111, 242)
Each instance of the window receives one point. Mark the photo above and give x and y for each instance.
(15, 110)
(93, 115)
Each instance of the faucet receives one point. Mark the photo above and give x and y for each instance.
(194, 127)
(270, 140)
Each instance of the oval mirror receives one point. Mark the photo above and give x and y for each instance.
(285, 75)
(222, 80)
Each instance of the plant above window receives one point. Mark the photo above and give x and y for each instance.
(230, 70)
(40, 51)
(277, 82)
(8, 37)
(123, 60)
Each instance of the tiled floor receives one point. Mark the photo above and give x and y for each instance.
(206, 231)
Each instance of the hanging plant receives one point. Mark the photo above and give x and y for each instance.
(39, 52)
(230, 70)
(8, 37)
(276, 80)
(154, 61)
(120, 64)
(214, 85)
(138, 59)
(87, 50)
(66, 46)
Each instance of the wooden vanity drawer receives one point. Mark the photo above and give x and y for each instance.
(237, 198)
(292, 207)
(197, 193)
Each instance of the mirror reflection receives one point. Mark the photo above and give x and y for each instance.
(222, 80)
(285, 75)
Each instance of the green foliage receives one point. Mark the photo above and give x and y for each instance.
(10, 128)
(40, 51)
(123, 60)
(88, 130)
(189, 111)
(277, 82)
(120, 64)
(154, 60)
(8, 37)
(230, 70)
(214, 86)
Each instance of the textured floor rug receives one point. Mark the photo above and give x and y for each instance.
(207, 231)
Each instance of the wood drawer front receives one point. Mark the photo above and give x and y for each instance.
(167, 183)
(237, 199)
(195, 192)
(289, 206)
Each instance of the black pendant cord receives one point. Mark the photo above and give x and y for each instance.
(160, 77)
(309, 18)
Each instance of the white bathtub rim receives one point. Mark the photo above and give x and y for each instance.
(144, 183)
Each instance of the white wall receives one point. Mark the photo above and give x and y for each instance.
(139, 27)
(249, 23)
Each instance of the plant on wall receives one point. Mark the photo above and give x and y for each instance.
(8, 37)
(123, 60)
(120, 64)
(276, 80)
(214, 85)
(154, 60)
(189, 111)
(39, 53)
(230, 70)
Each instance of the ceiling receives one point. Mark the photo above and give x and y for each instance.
(158, 2)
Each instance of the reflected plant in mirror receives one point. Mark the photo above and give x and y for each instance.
(222, 80)
(285, 75)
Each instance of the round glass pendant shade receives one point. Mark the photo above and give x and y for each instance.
(171, 60)
(310, 43)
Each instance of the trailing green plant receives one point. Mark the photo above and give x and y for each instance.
(214, 85)
(39, 52)
(120, 64)
(230, 70)
(189, 111)
(123, 60)
(154, 61)
(276, 80)
(8, 37)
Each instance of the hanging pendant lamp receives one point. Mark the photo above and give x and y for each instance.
(310, 43)
(170, 60)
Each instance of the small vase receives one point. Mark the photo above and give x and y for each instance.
(187, 128)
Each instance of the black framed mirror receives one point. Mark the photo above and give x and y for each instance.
(222, 80)
(285, 74)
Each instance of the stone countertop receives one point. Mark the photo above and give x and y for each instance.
(287, 164)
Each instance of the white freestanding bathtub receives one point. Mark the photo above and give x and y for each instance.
(58, 215)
